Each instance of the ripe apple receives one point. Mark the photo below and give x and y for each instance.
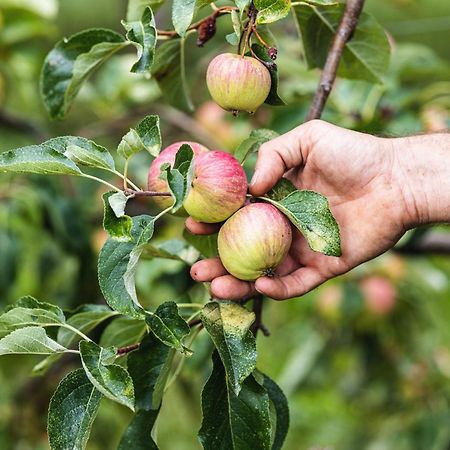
(254, 241)
(238, 83)
(155, 183)
(218, 189)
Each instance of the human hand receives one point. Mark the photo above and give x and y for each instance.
(360, 176)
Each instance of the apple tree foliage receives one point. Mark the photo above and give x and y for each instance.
(242, 407)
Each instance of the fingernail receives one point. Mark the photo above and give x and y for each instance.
(254, 178)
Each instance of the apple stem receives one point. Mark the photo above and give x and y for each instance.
(260, 39)
(248, 30)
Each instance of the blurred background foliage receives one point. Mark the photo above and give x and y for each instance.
(364, 360)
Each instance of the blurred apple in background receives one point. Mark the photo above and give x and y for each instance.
(226, 129)
(379, 295)
(329, 301)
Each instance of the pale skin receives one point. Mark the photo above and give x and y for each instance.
(378, 188)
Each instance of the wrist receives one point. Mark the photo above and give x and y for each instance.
(422, 174)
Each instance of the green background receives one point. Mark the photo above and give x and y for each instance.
(354, 379)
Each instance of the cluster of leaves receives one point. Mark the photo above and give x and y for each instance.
(74, 59)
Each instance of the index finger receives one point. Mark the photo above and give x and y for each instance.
(275, 158)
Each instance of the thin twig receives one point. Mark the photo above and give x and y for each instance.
(343, 33)
(133, 193)
(127, 349)
(258, 310)
(435, 243)
(194, 322)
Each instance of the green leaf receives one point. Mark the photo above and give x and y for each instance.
(182, 15)
(281, 190)
(176, 249)
(142, 33)
(206, 245)
(118, 201)
(366, 55)
(71, 62)
(241, 4)
(111, 380)
(146, 136)
(169, 327)
(123, 331)
(119, 228)
(72, 411)
(253, 142)
(138, 434)
(234, 422)
(170, 73)
(310, 212)
(29, 340)
(82, 151)
(228, 324)
(271, 10)
(233, 38)
(30, 302)
(280, 404)
(41, 159)
(117, 266)
(136, 8)
(30, 312)
(179, 176)
(273, 98)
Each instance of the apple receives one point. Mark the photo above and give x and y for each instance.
(155, 183)
(254, 241)
(218, 188)
(238, 83)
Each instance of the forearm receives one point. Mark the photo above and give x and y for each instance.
(423, 168)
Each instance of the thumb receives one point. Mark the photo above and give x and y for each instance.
(275, 158)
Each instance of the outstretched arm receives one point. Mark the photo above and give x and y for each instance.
(377, 188)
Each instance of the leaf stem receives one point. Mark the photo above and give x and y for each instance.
(191, 321)
(69, 327)
(99, 180)
(116, 172)
(190, 305)
(76, 331)
(125, 175)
